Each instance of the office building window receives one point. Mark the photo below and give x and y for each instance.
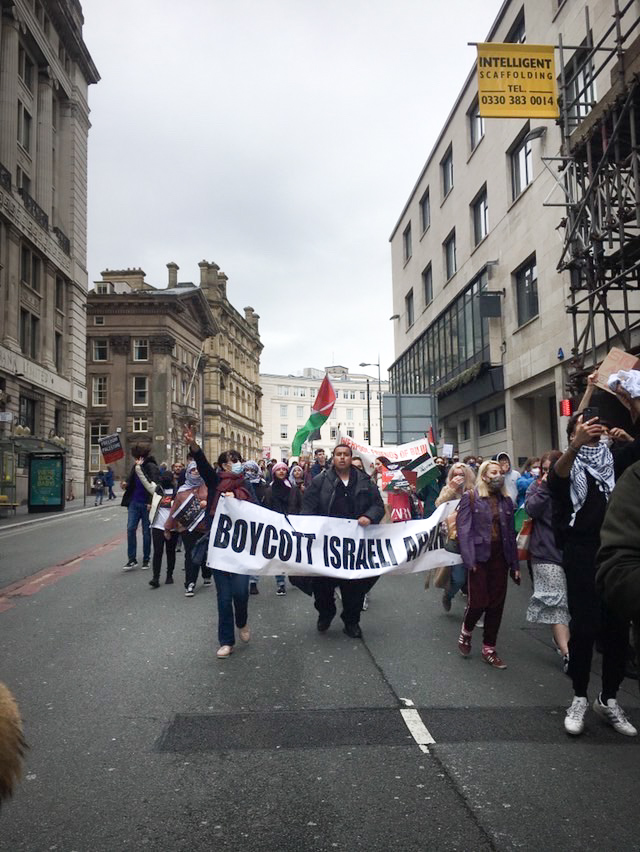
(284, 432)
(517, 34)
(363, 395)
(581, 87)
(427, 284)
(140, 424)
(526, 283)
(480, 215)
(284, 411)
(449, 247)
(60, 288)
(464, 430)
(425, 211)
(141, 349)
(492, 421)
(407, 249)
(24, 127)
(476, 125)
(29, 334)
(100, 349)
(141, 390)
(96, 431)
(521, 165)
(350, 433)
(99, 390)
(57, 345)
(446, 167)
(299, 410)
(456, 339)
(25, 68)
(30, 268)
(408, 306)
(333, 433)
(98, 320)
(349, 414)
(27, 413)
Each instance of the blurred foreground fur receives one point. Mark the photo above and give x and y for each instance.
(12, 744)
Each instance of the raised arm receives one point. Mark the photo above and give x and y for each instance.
(206, 471)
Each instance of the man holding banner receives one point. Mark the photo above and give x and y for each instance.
(342, 492)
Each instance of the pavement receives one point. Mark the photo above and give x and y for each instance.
(140, 739)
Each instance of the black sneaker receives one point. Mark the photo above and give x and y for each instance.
(132, 563)
(253, 588)
(190, 590)
(281, 590)
(155, 584)
(145, 563)
(353, 631)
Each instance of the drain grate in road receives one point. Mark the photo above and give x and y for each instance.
(285, 729)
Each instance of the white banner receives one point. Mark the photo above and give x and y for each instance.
(403, 452)
(249, 539)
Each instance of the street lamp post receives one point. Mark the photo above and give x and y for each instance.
(377, 364)
(368, 413)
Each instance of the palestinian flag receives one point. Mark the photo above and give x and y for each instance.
(423, 468)
(322, 406)
(432, 442)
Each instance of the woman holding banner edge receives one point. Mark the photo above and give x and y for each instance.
(232, 589)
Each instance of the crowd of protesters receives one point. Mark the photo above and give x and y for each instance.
(571, 501)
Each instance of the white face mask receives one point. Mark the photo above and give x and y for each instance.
(236, 467)
(535, 471)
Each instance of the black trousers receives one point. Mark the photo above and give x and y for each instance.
(591, 620)
(191, 570)
(159, 545)
(352, 593)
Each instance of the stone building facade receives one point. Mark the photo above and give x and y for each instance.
(232, 392)
(45, 73)
(145, 364)
(480, 309)
(287, 403)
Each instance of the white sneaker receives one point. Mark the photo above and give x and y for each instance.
(615, 716)
(574, 720)
(191, 590)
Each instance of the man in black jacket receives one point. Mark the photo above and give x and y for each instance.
(342, 492)
(136, 499)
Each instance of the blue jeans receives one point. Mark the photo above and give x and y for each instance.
(458, 579)
(137, 512)
(280, 579)
(233, 593)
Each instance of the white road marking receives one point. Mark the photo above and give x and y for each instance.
(416, 726)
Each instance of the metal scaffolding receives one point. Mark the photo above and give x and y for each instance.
(599, 172)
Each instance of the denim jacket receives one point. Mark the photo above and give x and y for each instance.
(474, 529)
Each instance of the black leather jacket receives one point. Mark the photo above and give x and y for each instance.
(320, 494)
(151, 471)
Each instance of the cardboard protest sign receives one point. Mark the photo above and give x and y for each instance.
(249, 539)
(616, 360)
(189, 514)
(111, 448)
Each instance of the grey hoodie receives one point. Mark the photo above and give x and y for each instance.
(510, 479)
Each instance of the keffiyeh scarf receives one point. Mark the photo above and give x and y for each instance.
(596, 461)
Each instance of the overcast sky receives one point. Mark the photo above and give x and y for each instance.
(278, 138)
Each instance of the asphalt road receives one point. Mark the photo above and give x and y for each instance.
(140, 739)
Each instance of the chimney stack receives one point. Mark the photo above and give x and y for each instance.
(173, 273)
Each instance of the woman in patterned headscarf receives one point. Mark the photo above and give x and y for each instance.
(193, 487)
